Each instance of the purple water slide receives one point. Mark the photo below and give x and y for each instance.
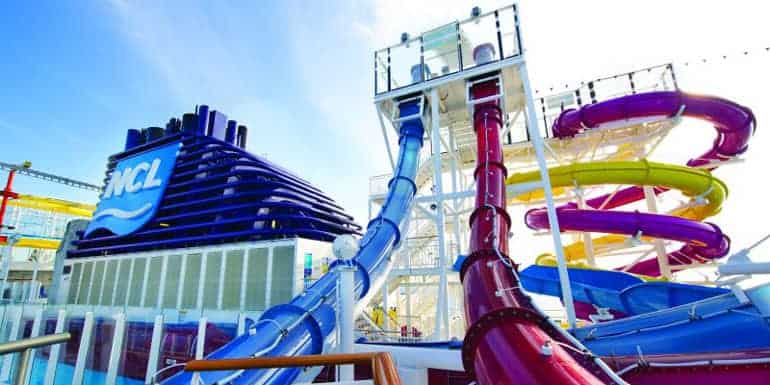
(703, 240)
(734, 125)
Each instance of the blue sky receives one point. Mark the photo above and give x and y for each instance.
(79, 74)
(299, 73)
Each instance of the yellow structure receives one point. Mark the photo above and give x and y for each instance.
(53, 205)
(707, 191)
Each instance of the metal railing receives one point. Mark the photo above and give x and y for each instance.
(655, 78)
(383, 369)
(26, 348)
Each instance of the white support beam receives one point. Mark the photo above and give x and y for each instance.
(53, 357)
(84, 347)
(660, 246)
(200, 344)
(428, 215)
(345, 299)
(511, 190)
(117, 348)
(244, 278)
(182, 274)
(385, 305)
(155, 344)
(201, 281)
(588, 243)
(221, 286)
(455, 188)
(162, 283)
(509, 124)
(537, 144)
(241, 328)
(442, 309)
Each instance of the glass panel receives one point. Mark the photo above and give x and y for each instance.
(509, 37)
(403, 59)
(231, 296)
(440, 51)
(135, 352)
(192, 277)
(218, 334)
(109, 282)
(477, 32)
(100, 346)
(137, 280)
(96, 287)
(381, 70)
(283, 274)
(85, 285)
(178, 344)
(211, 283)
(153, 282)
(72, 296)
(173, 272)
(256, 279)
(122, 285)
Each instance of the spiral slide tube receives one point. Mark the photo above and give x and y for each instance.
(734, 125)
(508, 341)
(302, 326)
(708, 242)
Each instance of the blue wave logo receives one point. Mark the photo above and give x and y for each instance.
(134, 191)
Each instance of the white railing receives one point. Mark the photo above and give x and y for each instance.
(93, 327)
(656, 78)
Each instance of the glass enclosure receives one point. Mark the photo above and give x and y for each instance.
(447, 50)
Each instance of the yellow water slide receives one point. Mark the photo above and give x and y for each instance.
(707, 192)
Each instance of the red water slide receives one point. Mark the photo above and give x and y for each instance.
(508, 340)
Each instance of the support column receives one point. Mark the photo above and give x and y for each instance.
(345, 298)
(588, 243)
(660, 247)
(442, 321)
(455, 190)
(155, 342)
(53, 357)
(553, 220)
(385, 305)
(78, 375)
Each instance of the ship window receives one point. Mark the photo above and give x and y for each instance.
(85, 285)
(121, 287)
(153, 282)
(231, 296)
(192, 277)
(96, 286)
(72, 296)
(256, 279)
(211, 282)
(109, 282)
(137, 281)
(173, 272)
(283, 274)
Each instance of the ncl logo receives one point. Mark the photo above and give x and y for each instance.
(134, 191)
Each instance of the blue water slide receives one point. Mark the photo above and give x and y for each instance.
(301, 326)
(615, 290)
(727, 322)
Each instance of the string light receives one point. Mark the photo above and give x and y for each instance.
(703, 60)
